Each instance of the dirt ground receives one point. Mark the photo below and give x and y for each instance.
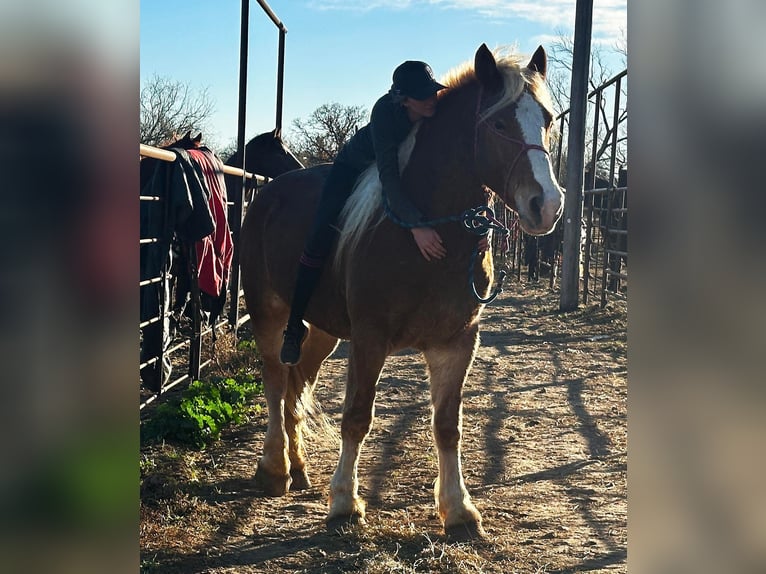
(544, 458)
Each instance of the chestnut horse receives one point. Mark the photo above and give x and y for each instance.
(491, 132)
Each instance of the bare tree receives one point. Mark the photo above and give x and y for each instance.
(170, 107)
(228, 150)
(621, 47)
(319, 138)
(560, 55)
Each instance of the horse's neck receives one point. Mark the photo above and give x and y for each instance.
(443, 178)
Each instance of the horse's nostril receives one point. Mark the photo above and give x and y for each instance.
(536, 208)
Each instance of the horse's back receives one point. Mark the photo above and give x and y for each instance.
(277, 222)
(273, 236)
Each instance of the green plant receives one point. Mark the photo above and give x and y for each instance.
(247, 345)
(203, 410)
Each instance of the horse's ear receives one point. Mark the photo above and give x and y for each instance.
(197, 139)
(539, 62)
(486, 70)
(187, 135)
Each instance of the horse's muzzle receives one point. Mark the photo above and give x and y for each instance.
(540, 210)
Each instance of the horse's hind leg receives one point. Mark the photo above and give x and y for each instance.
(283, 461)
(273, 473)
(448, 367)
(364, 365)
(298, 403)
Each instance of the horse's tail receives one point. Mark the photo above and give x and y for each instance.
(317, 425)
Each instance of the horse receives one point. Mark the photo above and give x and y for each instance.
(491, 134)
(265, 154)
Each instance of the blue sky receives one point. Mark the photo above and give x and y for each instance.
(338, 50)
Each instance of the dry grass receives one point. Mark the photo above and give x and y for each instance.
(544, 451)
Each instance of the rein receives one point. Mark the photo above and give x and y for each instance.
(477, 220)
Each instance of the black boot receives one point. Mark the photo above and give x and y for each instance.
(296, 330)
(292, 340)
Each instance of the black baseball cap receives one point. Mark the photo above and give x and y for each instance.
(415, 80)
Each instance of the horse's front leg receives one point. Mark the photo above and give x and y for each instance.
(364, 365)
(448, 367)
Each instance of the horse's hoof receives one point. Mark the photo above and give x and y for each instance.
(300, 480)
(465, 532)
(272, 484)
(342, 524)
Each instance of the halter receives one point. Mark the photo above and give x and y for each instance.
(525, 147)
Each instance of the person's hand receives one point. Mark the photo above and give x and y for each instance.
(429, 242)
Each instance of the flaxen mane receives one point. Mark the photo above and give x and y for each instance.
(363, 211)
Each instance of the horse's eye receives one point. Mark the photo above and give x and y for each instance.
(499, 125)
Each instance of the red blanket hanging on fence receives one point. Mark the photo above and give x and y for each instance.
(214, 252)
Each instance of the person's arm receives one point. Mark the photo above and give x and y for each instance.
(387, 158)
(386, 149)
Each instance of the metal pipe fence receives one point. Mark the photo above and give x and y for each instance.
(182, 346)
(603, 241)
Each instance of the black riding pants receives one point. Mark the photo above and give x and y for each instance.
(336, 191)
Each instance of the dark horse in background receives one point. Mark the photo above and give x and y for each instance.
(267, 155)
(491, 132)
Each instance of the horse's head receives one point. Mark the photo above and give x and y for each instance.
(513, 130)
(187, 141)
(266, 154)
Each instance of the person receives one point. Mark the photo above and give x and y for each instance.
(411, 98)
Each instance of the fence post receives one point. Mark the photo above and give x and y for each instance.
(280, 78)
(570, 265)
(239, 188)
(605, 241)
(588, 200)
(195, 344)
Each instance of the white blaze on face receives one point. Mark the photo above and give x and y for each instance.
(529, 116)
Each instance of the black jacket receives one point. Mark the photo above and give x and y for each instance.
(379, 142)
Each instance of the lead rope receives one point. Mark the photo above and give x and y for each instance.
(477, 220)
